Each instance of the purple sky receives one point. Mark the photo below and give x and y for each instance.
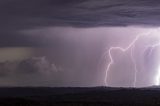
(59, 43)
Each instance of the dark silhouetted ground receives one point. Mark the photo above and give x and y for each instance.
(96, 96)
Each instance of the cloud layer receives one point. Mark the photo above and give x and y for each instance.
(19, 15)
(80, 13)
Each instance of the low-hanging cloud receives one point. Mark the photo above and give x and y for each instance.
(33, 71)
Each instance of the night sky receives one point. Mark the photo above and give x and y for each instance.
(66, 42)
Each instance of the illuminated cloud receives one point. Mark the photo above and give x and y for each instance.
(15, 53)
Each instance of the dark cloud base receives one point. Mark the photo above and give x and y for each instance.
(17, 14)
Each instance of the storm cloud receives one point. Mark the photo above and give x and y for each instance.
(17, 15)
(21, 14)
(74, 34)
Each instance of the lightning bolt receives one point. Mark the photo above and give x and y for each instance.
(157, 77)
(130, 46)
(135, 66)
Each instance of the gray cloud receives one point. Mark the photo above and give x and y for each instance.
(36, 65)
(33, 71)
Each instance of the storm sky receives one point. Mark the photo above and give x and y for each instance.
(62, 42)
